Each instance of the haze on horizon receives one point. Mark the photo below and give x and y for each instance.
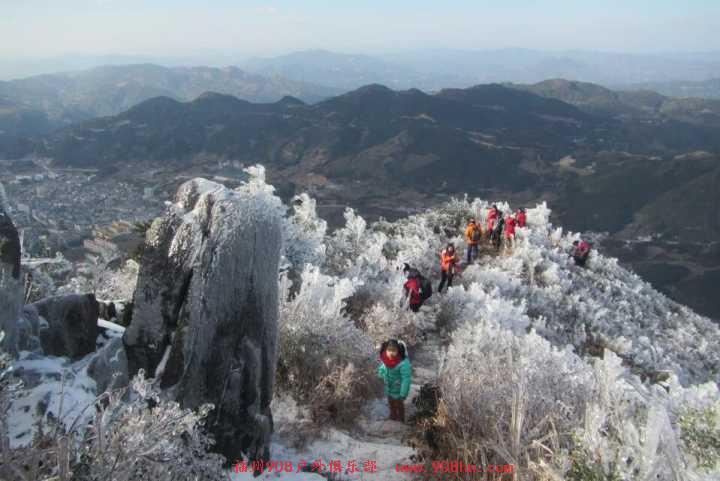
(219, 29)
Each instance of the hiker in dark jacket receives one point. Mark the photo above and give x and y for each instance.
(396, 372)
(496, 234)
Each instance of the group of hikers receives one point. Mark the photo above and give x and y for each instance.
(394, 367)
(418, 289)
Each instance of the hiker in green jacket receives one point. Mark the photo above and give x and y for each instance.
(396, 371)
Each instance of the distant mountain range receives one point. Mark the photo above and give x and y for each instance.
(640, 104)
(44, 102)
(434, 69)
(401, 137)
(709, 89)
(349, 72)
(458, 140)
(558, 116)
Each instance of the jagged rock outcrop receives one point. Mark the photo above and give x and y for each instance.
(205, 309)
(10, 283)
(65, 325)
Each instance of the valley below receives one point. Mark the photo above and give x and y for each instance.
(66, 209)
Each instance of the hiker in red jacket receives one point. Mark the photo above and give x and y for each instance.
(491, 218)
(509, 232)
(581, 252)
(412, 288)
(521, 217)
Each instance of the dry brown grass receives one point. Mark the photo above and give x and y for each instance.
(341, 394)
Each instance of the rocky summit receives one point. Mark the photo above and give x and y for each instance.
(205, 314)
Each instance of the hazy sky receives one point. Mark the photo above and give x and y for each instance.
(45, 28)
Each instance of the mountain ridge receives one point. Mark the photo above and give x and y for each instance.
(386, 151)
(70, 97)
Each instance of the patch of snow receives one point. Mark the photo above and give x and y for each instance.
(334, 450)
(55, 388)
(110, 326)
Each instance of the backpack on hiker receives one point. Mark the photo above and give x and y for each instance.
(476, 234)
(425, 287)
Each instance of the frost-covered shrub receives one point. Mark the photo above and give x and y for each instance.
(507, 397)
(635, 431)
(340, 393)
(304, 234)
(513, 398)
(382, 323)
(701, 435)
(345, 244)
(324, 359)
(148, 438)
(479, 301)
(143, 438)
(354, 251)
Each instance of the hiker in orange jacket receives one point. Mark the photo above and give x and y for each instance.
(473, 233)
(449, 261)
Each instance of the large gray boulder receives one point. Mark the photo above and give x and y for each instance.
(206, 306)
(65, 325)
(11, 296)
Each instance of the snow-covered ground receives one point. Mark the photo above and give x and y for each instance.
(55, 389)
(374, 449)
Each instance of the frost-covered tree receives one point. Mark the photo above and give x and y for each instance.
(304, 241)
(324, 359)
